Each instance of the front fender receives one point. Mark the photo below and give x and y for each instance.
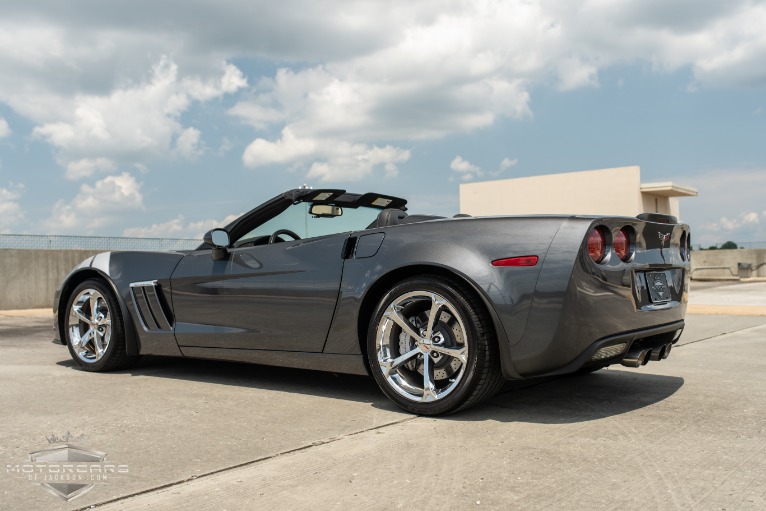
(119, 270)
(93, 267)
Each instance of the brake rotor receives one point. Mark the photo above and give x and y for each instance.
(447, 334)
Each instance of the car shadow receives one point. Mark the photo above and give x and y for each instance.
(575, 398)
(283, 379)
(554, 400)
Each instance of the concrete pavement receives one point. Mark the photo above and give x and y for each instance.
(687, 432)
(737, 299)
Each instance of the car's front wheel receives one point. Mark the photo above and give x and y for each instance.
(431, 347)
(94, 328)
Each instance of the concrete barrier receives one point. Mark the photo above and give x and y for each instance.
(29, 277)
(714, 264)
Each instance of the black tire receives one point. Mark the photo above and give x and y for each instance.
(462, 340)
(83, 346)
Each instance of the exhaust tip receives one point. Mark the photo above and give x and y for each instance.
(636, 358)
(659, 353)
(668, 347)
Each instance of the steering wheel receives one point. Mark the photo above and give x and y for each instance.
(273, 237)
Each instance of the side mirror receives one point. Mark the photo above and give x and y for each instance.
(219, 240)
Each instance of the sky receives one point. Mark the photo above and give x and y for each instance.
(167, 118)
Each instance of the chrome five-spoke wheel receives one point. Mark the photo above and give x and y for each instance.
(421, 346)
(90, 325)
(94, 329)
(431, 346)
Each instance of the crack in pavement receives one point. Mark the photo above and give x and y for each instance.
(245, 464)
(719, 335)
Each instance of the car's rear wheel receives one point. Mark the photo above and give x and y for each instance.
(431, 347)
(94, 328)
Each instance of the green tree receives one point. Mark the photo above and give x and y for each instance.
(729, 245)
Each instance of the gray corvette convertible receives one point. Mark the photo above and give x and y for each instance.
(440, 311)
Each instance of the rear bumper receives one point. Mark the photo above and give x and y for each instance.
(649, 339)
(599, 307)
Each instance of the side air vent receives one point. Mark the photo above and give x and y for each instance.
(148, 301)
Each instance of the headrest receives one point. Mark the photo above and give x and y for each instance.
(390, 217)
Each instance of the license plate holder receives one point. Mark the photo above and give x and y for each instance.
(657, 283)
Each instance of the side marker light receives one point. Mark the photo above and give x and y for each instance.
(516, 261)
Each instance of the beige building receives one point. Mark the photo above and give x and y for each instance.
(617, 191)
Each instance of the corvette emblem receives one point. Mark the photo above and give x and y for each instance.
(663, 238)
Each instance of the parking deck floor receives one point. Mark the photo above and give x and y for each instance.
(685, 433)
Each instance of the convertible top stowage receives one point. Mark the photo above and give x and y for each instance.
(440, 311)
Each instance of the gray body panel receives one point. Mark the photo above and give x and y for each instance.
(279, 296)
(307, 303)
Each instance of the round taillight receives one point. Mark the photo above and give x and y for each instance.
(622, 244)
(597, 245)
(684, 246)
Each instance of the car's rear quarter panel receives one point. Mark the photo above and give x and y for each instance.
(465, 247)
(598, 300)
(545, 316)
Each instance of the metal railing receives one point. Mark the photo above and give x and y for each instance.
(56, 242)
(701, 268)
(750, 270)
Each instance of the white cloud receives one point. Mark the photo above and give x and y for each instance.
(86, 167)
(5, 130)
(285, 150)
(173, 228)
(351, 162)
(178, 227)
(369, 77)
(134, 123)
(733, 224)
(188, 143)
(465, 169)
(727, 206)
(97, 206)
(257, 115)
(333, 159)
(10, 208)
(468, 64)
(505, 164)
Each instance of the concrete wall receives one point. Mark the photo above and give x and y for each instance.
(594, 192)
(29, 277)
(616, 191)
(727, 259)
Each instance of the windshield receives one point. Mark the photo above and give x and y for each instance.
(297, 219)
